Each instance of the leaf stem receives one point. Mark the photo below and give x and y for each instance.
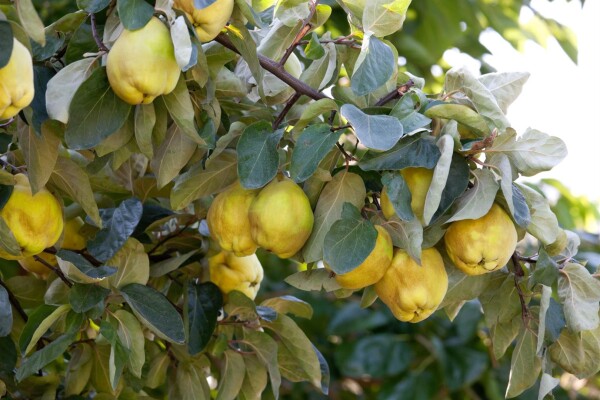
(288, 106)
(95, 34)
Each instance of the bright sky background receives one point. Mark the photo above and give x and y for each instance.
(560, 98)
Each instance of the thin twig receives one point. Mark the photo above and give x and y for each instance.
(396, 93)
(14, 301)
(339, 128)
(56, 270)
(518, 274)
(171, 236)
(288, 106)
(306, 27)
(99, 43)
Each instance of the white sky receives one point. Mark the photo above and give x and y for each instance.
(560, 98)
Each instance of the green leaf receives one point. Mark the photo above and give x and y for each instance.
(478, 200)
(440, 178)
(313, 110)
(463, 287)
(145, 120)
(8, 361)
(190, 383)
(503, 335)
(459, 113)
(412, 151)
(577, 352)
(44, 319)
(30, 21)
(407, 235)
(29, 290)
(313, 49)
(399, 194)
(40, 152)
(95, 112)
(162, 268)
(384, 17)
(265, 349)
(198, 182)
(131, 337)
(406, 111)
(134, 14)
(349, 241)
(312, 146)
(579, 293)
(86, 272)
(315, 279)
(6, 43)
(504, 86)
(8, 242)
(525, 366)
(154, 311)
(92, 6)
(258, 159)
(456, 184)
(289, 305)
(45, 356)
(6, 318)
(500, 300)
(378, 132)
(464, 366)
(203, 304)
(344, 187)
(543, 225)
(117, 229)
(116, 363)
(84, 297)
(255, 379)
(546, 270)
(375, 66)
(180, 107)
(232, 376)
(172, 155)
(533, 152)
(547, 384)
(133, 265)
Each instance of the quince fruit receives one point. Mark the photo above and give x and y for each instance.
(208, 21)
(479, 246)
(141, 64)
(373, 267)
(72, 240)
(16, 82)
(230, 272)
(36, 221)
(281, 218)
(412, 291)
(418, 180)
(228, 220)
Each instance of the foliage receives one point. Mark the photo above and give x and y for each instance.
(135, 314)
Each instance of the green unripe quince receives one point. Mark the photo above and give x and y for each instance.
(16, 82)
(281, 219)
(230, 272)
(208, 21)
(141, 64)
(373, 267)
(418, 180)
(412, 291)
(228, 220)
(479, 246)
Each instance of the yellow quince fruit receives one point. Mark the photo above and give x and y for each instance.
(208, 21)
(281, 219)
(36, 221)
(228, 220)
(418, 180)
(72, 240)
(16, 82)
(373, 267)
(412, 291)
(230, 272)
(479, 246)
(141, 64)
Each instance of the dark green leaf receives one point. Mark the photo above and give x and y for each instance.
(546, 270)
(6, 318)
(34, 320)
(92, 6)
(134, 14)
(81, 42)
(405, 110)
(203, 304)
(200, 4)
(555, 320)
(311, 147)
(8, 361)
(378, 132)
(399, 194)
(464, 366)
(522, 215)
(313, 49)
(458, 180)
(289, 305)
(416, 386)
(155, 311)
(41, 76)
(460, 113)
(349, 241)
(257, 155)
(85, 266)
(85, 297)
(5, 192)
(6, 43)
(95, 112)
(116, 230)
(376, 68)
(43, 357)
(411, 151)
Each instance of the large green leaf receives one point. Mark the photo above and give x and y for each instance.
(84, 297)
(6, 318)
(203, 304)
(412, 151)
(579, 292)
(378, 132)
(43, 357)
(375, 66)
(311, 147)
(134, 14)
(258, 159)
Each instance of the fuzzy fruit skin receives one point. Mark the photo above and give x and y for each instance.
(281, 218)
(375, 265)
(208, 21)
(412, 291)
(418, 180)
(229, 273)
(16, 82)
(479, 246)
(36, 221)
(141, 64)
(228, 220)
(72, 241)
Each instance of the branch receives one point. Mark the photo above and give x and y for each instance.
(306, 27)
(14, 301)
(277, 70)
(396, 93)
(56, 270)
(99, 43)
(518, 274)
(288, 106)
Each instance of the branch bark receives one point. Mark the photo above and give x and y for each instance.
(306, 27)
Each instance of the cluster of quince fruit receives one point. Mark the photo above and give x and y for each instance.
(36, 222)
(412, 291)
(278, 218)
(141, 64)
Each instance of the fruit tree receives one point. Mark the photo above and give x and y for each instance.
(189, 188)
